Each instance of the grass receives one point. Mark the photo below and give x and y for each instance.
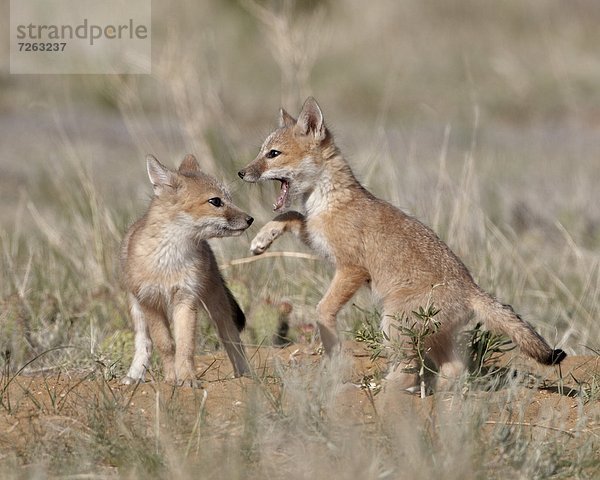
(480, 121)
(293, 421)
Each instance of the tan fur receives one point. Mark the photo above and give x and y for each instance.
(170, 272)
(373, 243)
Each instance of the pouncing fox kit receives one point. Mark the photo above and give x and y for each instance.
(372, 243)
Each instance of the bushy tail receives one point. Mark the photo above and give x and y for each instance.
(238, 315)
(503, 319)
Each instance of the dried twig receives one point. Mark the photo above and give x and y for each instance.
(241, 261)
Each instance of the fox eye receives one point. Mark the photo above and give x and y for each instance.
(216, 201)
(273, 153)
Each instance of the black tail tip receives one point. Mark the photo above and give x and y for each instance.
(239, 319)
(556, 357)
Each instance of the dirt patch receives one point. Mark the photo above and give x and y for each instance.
(75, 409)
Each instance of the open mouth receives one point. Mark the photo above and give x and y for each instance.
(283, 194)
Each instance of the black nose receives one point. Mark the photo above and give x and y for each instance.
(241, 174)
(249, 220)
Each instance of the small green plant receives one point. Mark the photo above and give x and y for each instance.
(369, 333)
(482, 348)
(417, 333)
(414, 330)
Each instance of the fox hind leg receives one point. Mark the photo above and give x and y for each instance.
(449, 363)
(409, 370)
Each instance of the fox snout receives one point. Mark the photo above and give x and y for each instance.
(239, 222)
(252, 172)
(243, 220)
(247, 176)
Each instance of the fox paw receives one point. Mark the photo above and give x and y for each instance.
(264, 238)
(190, 382)
(131, 381)
(246, 372)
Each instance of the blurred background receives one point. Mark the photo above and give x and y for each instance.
(480, 118)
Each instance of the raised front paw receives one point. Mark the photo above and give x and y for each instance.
(265, 237)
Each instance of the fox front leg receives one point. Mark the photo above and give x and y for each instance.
(286, 222)
(184, 331)
(345, 283)
(143, 344)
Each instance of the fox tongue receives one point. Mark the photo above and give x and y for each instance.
(280, 202)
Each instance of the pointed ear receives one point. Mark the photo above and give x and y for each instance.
(285, 119)
(310, 120)
(189, 164)
(161, 177)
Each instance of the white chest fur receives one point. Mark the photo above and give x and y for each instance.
(318, 239)
(316, 206)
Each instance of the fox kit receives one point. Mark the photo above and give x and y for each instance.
(169, 271)
(373, 243)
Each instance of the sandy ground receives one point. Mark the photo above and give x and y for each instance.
(56, 405)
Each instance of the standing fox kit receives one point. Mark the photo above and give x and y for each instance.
(170, 272)
(373, 243)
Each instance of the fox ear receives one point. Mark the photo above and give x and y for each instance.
(285, 119)
(161, 177)
(189, 164)
(310, 120)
